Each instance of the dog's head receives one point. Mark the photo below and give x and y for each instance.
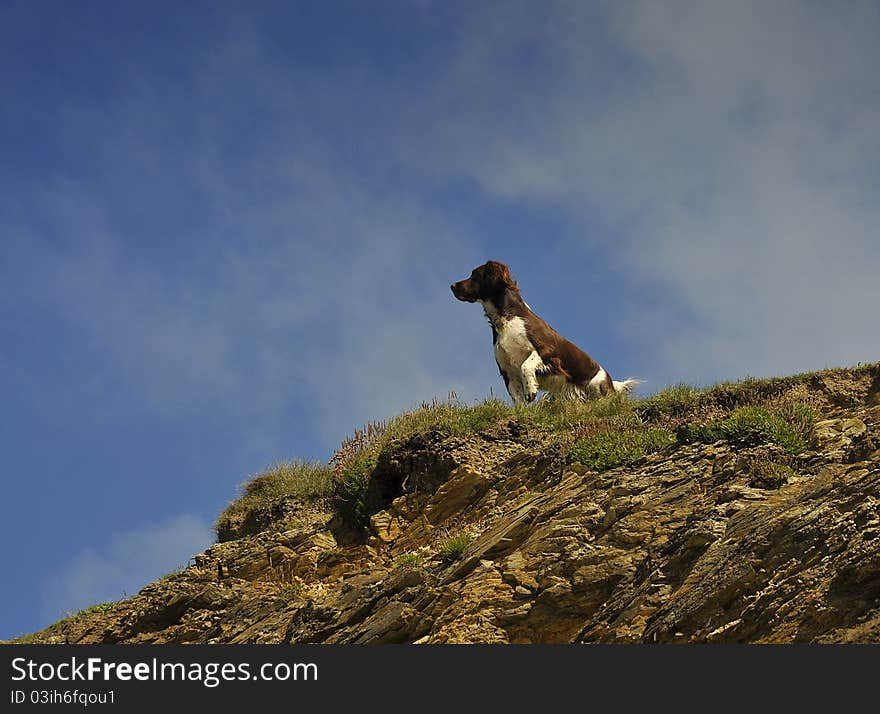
(486, 282)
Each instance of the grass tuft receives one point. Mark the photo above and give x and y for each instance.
(770, 474)
(450, 417)
(353, 463)
(291, 590)
(453, 549)
(350, 488)
(560, 415)
(790, 426)
(290, 479)
(408, 560)
(100, 607)
(674, 401)
(609, 449)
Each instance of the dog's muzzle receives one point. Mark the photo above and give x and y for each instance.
(460, 293)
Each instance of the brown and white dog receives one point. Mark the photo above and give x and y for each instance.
(530, 354)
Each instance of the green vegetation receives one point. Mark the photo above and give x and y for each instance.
(290, 479)
(699, 433)
(300, 479)
(557, 416)
(673, 401)
(350, 490)
(770, 474)
(353, 463)
(610, 449)
(408, 560)
(290, 590)
(28, 639)
(799, 417)
(100, 607)
(451, 417)
(453, 549)
(789, 426)
(602, 433)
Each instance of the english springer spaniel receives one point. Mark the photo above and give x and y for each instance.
(530, 354)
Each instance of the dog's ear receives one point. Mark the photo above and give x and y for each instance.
(501, 275)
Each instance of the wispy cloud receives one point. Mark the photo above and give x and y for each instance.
(127, 562)
(338, 319)
(303, 257)
(732, 148)
(300, 281)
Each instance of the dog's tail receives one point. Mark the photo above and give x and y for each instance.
(626, 385)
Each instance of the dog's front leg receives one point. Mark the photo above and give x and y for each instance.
(529, 378)
(515, 390)
(512, 383)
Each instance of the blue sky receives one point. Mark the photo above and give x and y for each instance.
(228, 232)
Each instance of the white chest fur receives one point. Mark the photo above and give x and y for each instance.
(515, 354)
(513, 347)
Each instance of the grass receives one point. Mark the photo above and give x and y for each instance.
(673, 401)
(28, 639)
(556, 416)
(453, 549)
(94, 609)
(450, 417)
(350, 488)
(360, 452)
(801, 417)
(408, 560)
(770, 474)
(602, 433)
(301, 479)
(290, 479)
(100, 607)
(790, 426)
(610, 449)
(353, 463)
(290, 590)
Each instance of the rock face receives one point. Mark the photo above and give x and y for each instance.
(679, 547)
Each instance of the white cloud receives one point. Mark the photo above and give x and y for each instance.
(127, 562)
(297, 280)
(347, 310)
(732, 147)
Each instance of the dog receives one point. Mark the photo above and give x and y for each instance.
(530, 354)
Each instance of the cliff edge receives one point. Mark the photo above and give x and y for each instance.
(747, 512)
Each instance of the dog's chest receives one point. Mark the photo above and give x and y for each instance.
(512, 343)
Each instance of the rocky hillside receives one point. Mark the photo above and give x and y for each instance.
(748, 512)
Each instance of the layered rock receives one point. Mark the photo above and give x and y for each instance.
(682, 546)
